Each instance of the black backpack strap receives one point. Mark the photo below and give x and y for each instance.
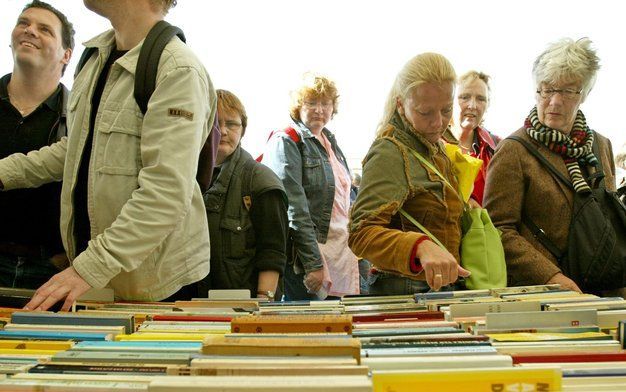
(246, 183)
(538, 233)
(542, 237)
(87, 53)
(62, 128)
(596, 180)
(148, 63)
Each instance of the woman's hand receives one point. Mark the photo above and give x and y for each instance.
(67, 284)
(313, 280)
(565, 282)
(440, 267)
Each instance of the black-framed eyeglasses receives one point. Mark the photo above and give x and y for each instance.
(566, 93)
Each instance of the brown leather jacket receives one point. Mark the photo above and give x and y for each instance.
(392, 179)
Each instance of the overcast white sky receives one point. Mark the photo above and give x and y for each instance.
(258, 49)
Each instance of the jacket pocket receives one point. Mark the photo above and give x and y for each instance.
(312, 173)
(234, 235)
(120, 142)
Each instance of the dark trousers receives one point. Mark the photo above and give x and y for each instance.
(294, 286)
(25, 272)
(295, 290)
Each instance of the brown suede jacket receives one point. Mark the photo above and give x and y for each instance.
(517, 182)
(394, 178)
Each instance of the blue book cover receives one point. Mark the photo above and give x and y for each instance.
(53, 335)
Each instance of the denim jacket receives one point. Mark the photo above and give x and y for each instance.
(307, 175)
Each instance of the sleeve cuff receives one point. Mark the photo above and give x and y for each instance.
(414, 263)
(93, 272)
(270, 260)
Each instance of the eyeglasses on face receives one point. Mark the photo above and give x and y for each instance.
(230, 125)
(325, 105)
(566, 93)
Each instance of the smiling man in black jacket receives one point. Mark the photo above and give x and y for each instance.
(31, 116)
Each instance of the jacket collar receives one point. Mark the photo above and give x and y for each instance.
(105, 43)
(227, 167)
(404, 132)
(486, 137)
(306, 132)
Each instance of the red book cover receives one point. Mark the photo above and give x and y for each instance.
(570, 357)
(405, 316)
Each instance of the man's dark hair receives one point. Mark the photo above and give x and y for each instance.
(67, 29)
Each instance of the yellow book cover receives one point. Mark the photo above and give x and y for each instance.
(543, 336)
(35, 345)
(26, 352)
(470, 380)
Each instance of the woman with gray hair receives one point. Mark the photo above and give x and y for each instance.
(521, 193)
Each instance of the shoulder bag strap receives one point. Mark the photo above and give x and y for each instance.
(409, 217)
(430, 166)
(596, 180)
(557, 174)
(421, 227)
(538, 233)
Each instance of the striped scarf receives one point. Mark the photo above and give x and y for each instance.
(575, 148)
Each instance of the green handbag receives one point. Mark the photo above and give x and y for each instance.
(481, 247)
(482, 251)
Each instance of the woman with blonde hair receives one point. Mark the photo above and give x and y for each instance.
(408, 187)
(315, 173)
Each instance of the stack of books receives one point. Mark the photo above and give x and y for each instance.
(534, 338)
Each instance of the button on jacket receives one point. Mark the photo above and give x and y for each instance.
(149, 233)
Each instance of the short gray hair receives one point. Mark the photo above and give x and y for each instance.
(472, 75)
(567, 59)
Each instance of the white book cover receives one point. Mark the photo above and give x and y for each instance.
(540, 319)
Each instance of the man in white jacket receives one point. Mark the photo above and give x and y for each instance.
(132, 214)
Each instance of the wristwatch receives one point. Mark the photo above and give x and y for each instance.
(268, 293)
